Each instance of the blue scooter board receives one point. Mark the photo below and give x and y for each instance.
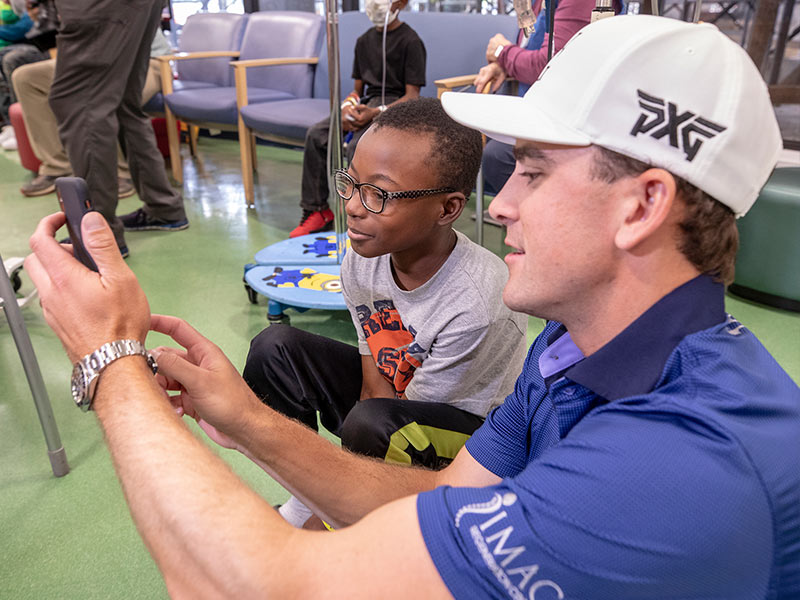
(295, 286)
(312, 249)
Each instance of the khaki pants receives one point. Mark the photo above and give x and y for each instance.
(32, 86)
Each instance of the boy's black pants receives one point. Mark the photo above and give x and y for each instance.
(301, 374)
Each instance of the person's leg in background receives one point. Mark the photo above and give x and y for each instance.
(498, 165)
(163, 205)
(317, 215)
(94, 61)
(32, 85)
(152, 85)
(93, 73)
(12, 57)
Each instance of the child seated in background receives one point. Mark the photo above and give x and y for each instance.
(372, 92)
(437, 348)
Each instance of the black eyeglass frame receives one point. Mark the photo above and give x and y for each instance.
(384, 194)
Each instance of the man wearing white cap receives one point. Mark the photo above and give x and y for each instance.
(651, 448)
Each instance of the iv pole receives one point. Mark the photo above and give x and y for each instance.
(335, 159)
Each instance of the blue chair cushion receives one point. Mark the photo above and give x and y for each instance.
(156, 103)
(286, 118)
(216, 105)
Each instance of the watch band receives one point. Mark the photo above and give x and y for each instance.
(499, 50)
(87, 370)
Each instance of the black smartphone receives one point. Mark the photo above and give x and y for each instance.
(73, 198)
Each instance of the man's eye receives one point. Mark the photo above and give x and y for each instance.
(530, 176)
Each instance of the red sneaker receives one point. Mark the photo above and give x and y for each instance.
(312, 222)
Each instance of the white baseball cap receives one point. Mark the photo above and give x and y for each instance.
(674, 95)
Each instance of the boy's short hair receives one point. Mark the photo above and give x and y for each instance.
(455, 150)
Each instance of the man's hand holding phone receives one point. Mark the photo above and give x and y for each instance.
(73, 198)
(86, 309)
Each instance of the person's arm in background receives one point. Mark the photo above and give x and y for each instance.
(365, 114)
(16, 31)
(349, 105)
(526, 65)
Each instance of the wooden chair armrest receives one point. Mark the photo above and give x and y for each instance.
(165, 70)
(448, 83)
(784, 94)
(240, 71)
(271, 62)
(204, 54)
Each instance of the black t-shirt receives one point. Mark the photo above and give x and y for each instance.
(405, 61)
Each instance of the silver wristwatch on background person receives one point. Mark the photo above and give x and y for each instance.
(88, 369)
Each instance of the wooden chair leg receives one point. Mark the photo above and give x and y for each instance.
(253, 146)
(174, 145)
(246, 152)
(194, 132)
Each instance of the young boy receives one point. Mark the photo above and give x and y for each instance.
(405, 75)
(437, 347)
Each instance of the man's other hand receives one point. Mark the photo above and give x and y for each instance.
(210, 389)
(498, 40)
(491, 73)
(84, 308)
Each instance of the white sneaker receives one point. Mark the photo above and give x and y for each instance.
(6, 132)
(10, 143)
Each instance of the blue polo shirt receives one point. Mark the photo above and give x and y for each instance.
(664, 465)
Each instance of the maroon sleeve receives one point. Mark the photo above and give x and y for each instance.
(525, 65)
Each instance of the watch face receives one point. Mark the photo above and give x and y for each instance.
(78, 384)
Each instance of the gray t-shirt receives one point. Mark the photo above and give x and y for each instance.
(451, 340)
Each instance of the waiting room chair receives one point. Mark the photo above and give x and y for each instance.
(287, 121)
(289, 40)
(210, 40)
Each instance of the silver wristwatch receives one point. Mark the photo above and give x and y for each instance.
(88, 369)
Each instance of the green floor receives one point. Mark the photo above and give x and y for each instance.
(72, 537)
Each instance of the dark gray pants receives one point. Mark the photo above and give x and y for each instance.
(314, 185)
(301, 374)
(103, 55)
(498, 165)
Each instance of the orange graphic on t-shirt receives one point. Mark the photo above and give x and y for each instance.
(388, 340)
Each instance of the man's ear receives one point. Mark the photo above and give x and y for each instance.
(451, 208)
(647, 206)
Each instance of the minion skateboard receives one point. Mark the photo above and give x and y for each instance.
(299, 273)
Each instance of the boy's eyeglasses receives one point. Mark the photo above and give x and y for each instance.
(372, 197)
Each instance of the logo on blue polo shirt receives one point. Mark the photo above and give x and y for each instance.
(496, 529)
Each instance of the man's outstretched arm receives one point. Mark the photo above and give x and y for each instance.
(210, 535)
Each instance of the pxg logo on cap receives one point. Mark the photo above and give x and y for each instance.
(661, 112)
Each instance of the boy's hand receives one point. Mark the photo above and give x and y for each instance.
(348, 118)
(210, 389)
(363, 115)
